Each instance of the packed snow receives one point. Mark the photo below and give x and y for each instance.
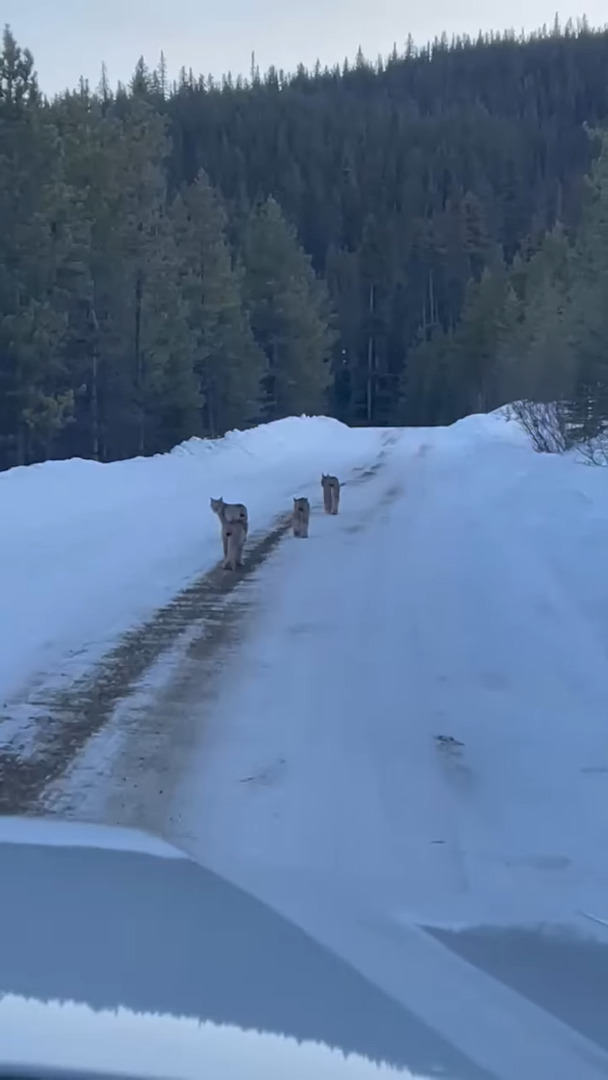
(88, 549)
(411, 732)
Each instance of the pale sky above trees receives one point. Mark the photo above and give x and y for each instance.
(70, 39)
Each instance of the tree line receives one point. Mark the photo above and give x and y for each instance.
(380, 242)
(129, 320)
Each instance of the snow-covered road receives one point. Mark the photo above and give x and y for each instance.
(394, 732)
(425, 609)
(302, 758)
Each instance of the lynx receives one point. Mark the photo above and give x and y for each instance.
(233, 534)
(301, 517)
(331, 493)
(227, 513)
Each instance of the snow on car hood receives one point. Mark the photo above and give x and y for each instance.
(121, 954)
(69, 1037)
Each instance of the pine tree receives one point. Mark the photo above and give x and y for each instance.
(35, 401)
(227, 361)
(456, 372)
(139, 392)
(588, 310)
(488, 318)
(535, 361)
(290, 315)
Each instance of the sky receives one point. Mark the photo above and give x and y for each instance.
(70, 39)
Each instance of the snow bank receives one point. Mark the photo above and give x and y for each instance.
(86, 549)
(519, 603)
(468, 433)
(552, 505)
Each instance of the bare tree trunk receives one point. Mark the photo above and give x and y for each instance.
(95, 382)
(139, 364)
(370, 360)
(21, 445)
(432, 299)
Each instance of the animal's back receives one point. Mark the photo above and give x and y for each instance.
(228, 512)
(237, 512)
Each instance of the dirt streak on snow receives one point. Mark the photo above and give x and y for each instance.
(87, 551)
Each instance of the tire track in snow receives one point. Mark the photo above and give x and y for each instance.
(65, 719)
(71, 716)
(132, 773)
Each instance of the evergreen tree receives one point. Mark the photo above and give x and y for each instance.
(35, 401)
(228, 363)
(588, 306)
(455, 372)
(290, 315)
(151, 287)
(535, 361)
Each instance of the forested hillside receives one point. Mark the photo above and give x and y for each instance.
(398, 242)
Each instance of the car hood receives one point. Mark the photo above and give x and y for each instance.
(122, 955)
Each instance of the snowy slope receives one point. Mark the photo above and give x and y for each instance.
(87, 550)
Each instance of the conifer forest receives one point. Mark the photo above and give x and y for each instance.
(399, 242)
